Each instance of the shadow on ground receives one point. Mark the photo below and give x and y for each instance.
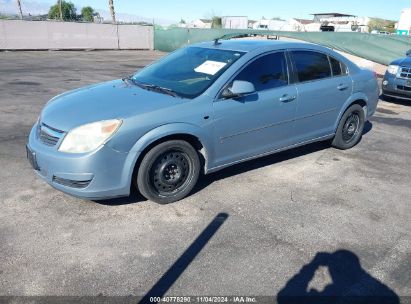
(135, 197)
(181, 264)
(350, 283)
(402, 102)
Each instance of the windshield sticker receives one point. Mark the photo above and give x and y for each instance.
(210, 67)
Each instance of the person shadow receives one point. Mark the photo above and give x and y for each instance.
(350, 283)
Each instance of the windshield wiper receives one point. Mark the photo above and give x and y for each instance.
(151, 87)
(157, 88)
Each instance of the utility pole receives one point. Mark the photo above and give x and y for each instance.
(20, 11)
(112, 12)
(61, 11)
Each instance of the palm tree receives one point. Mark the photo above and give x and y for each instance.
(111, 7)
(61, 11)
(20, 11)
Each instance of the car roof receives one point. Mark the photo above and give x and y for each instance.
(251, 45)
(261, 46)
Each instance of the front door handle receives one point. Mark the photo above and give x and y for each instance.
(287, 98)
(342, 87)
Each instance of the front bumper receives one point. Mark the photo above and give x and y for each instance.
(100, 174)
(396, 87)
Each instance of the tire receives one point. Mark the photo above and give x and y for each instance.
(168, 172)
(350, 128)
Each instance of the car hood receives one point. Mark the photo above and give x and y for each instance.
(108, 100)
(406, 61)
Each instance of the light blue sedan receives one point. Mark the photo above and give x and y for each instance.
(198, 110)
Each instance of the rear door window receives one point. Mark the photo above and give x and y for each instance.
(311, 65)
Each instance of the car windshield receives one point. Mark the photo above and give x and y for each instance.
(187, 72)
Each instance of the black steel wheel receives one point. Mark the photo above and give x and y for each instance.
(168, 172)
(350, 128)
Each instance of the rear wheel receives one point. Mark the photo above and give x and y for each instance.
(168, 172)
(350, 128)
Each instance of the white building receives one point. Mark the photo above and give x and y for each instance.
(234, 22)
(341, 22)
(251, 24)
(362, 23)
(200, 23)
(404, 25)
(303, 25)
(271, 25)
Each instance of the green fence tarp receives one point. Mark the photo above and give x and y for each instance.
(378, 48)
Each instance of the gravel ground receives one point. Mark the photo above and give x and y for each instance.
(343, 214)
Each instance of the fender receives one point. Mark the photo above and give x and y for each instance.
(163, 131)
(354, 97)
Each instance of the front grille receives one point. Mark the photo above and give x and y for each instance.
(71, 183)
(405, 72)
(47, 139)
(48, 135)
(404, 88)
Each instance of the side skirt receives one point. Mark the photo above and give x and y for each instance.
(325, 137)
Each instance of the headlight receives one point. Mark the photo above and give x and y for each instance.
(88, 137)
(393, 69)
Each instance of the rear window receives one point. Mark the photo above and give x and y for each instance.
(338, 68)
(311, 65)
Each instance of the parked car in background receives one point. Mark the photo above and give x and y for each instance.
(198, 110)
(397, 79)
(380, 32)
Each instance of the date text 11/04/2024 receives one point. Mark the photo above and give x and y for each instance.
(204, 299)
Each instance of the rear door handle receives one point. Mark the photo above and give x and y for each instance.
(287, 98)
(342, 87)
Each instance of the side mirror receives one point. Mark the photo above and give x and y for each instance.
(408, 53)
(238, 89)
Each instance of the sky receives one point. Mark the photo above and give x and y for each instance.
(254, 9)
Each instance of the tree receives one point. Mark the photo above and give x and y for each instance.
(19, 7)
(68, 11)
(60, 10)
(216, 22)
(112, 12)
(215, 19)
(87, 13)
(379, 24)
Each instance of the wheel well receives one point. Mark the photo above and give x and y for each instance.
(191, 139)
(362, 103)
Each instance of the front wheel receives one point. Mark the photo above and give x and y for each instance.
(168, 172)
(350, 128)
